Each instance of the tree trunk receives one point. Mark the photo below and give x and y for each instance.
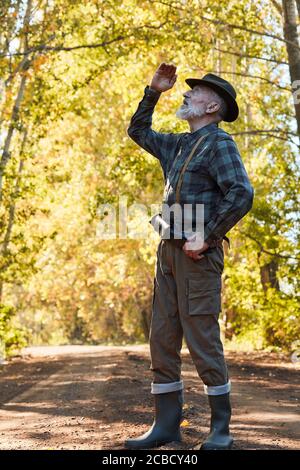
(291, 35)
(16, 108)
(145, 324)
(12, 209)
(268, 275)
(5, 40)
(298, 7)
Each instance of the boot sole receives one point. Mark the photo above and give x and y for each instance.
(211, 447)
(150, 445)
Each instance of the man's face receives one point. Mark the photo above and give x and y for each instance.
(195, 103)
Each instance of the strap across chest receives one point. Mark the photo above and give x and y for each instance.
(184, 167)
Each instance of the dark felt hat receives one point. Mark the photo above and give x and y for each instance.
(223, 88)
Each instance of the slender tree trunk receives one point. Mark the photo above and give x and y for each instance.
(293, 51)
(298, 7)
(146, 324)
(16, 108)
(5, 40)
(15, 194)
(268, 275)
(12, 209)
(14, 119)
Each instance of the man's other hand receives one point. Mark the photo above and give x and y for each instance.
(164, 77)
(192, 249)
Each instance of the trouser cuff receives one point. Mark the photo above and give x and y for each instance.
(166, 388)
(217, 390)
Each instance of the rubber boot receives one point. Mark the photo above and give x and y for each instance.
(219, 437)
(166, 424)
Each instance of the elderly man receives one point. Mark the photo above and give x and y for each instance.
(204, 167)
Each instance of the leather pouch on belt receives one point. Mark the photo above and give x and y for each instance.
(165, 231)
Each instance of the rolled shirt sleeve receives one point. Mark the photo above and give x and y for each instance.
(227, 169)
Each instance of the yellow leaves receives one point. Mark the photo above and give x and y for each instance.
(39, 61)
(184, 423)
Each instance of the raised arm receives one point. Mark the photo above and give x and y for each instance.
(160, 145)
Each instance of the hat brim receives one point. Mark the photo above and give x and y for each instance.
(233, 109)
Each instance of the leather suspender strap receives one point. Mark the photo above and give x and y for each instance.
(182, 171)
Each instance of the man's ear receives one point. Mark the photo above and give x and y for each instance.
(212, 107)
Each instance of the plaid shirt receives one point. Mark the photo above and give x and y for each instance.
(215, 177)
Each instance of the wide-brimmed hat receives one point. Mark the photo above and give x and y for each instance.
(223, 88)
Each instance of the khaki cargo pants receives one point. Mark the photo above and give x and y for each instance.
(187, 302)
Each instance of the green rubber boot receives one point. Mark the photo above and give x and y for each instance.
(219, 437)
(166, 424)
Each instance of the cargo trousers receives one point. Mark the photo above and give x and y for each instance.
(187, 303)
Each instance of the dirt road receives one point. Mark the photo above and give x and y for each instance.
(94, 397)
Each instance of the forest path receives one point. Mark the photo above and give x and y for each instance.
(94, 397)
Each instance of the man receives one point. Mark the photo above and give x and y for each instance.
(187, 291)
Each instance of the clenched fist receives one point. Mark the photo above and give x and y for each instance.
(164, 77)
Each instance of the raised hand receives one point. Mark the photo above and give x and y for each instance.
(164, 77)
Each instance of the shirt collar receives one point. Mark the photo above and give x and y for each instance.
(208, 129)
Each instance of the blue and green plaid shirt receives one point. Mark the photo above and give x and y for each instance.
(215, 177)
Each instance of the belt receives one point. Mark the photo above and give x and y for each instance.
(219, 242)
(160, 226)
(180, 242)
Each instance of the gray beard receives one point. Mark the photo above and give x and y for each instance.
(186, 112)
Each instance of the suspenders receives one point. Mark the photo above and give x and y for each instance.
(182, 171)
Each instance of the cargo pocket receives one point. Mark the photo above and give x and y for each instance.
(204, 295)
